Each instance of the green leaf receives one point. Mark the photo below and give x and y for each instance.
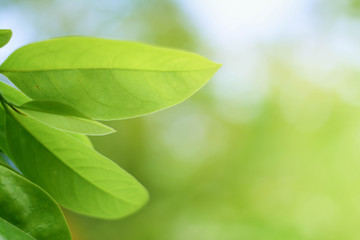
(10, 232)
(2, 159)
(107, 79)
(13, 95)
(26, 210)
(73, 173)
(3, 143)
(82, 138)
(63, 117)
(5, 35)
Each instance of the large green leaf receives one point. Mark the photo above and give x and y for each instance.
(5, 35)
(26, 210)
(107, 79)
(63, 117)
(72, 172)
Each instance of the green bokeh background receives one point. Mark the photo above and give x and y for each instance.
(268, 150)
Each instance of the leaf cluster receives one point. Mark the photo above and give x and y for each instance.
(64, 86)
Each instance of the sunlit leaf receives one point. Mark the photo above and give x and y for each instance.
(64, 117)
(72, 172)
(16, 97)
(13, 95)
(5, 35)
(82, 138)
(107, 79)
(26, 210)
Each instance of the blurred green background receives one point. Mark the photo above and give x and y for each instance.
(268, 150)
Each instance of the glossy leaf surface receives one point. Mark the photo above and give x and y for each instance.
(26, 210)
(107, 79)
(5, 36)
(73, 173)
(63, 117)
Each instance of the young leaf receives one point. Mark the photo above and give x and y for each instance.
(107, 79)
(64, 117)
(27, 211)
(73, 173)
(5, 35)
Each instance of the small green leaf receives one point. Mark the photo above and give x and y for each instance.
(5, 35)
(63, 117)
(73, 173)
(107, 79)
(27, 211)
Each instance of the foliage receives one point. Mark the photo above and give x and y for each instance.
(69, 84)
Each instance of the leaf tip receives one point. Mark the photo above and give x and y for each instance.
(5, 36)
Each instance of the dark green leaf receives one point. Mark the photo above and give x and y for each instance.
(63, 117)
(107, 79)
(3, 142)
(2, 159)
(5, 35)
(12, 95)
(25, 209)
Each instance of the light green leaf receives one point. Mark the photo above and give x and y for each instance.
(63, 117)
(13, 95)
(82, 138)
(73, 173)
(107, 79)
(27, 211)
(5, 35)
